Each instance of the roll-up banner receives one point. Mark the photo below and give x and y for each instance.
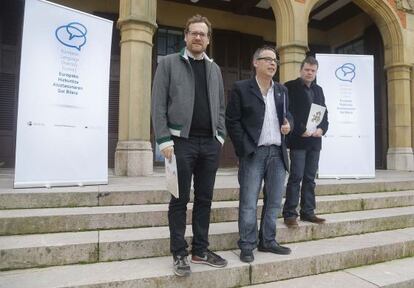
(348, 148)
(62, 124)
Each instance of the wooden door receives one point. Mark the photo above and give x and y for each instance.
(233, 52)
(11, 23)
(114, 75)
(374, 46)
(226, 48)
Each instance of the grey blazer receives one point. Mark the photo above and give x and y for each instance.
(173, 95)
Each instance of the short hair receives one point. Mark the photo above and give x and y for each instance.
(263, 48)
(309, 60)
(197, 19)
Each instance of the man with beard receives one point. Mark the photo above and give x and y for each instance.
(188, 118)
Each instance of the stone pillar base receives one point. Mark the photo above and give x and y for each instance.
(133, 158)
(400, 159)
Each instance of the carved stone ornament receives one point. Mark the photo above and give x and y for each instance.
(406, 5)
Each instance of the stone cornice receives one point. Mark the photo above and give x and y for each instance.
(406, 5)
(133, 19)
(398, 65)
(295, 44)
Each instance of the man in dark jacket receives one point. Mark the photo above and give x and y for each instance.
(257, 121)
(304, 145)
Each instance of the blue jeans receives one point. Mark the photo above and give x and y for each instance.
(303, 168)
(265, 164)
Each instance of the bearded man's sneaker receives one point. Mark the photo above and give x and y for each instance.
(209, 258)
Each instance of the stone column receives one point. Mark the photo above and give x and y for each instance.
(291, 36)
(400, 152)
(291, 56)
(137, 22)
(412, 107)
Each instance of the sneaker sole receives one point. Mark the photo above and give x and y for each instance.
(209, 264)
(184, 274)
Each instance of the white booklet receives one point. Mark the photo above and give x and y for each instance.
(315, 117)
(172, 176)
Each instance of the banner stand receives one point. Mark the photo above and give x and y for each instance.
(62, 123)
(348, 148)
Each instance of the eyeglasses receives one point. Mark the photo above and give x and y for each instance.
(194, 34)
(269, 59)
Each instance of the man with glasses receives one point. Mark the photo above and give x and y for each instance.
(257, 121)
(188, 119)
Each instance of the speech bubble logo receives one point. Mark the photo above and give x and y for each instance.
(72, 35)
(346, 72)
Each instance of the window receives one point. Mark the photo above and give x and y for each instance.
(354, 47)
(169, 41)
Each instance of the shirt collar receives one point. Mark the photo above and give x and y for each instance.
(271, 85)
(187, 54)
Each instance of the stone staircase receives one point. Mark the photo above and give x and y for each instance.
(117, 236)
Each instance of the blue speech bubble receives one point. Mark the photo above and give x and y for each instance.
(346, 72)
(72, 35)
(75, 29)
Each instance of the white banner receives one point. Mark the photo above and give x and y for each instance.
(348, 150)
(62, 126)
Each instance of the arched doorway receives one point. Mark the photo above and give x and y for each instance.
(354, 27)
(239, 28)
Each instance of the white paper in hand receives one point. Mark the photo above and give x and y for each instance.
(172, 176)
(315, 117)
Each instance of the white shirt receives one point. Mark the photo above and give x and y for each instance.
(187, 54)
(270, 134)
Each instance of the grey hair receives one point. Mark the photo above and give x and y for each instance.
(261, 49)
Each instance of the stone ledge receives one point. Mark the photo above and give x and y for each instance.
(308, 258)
(30, 221)
(56, 249)
(141, 193)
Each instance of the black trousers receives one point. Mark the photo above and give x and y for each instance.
(198, 156)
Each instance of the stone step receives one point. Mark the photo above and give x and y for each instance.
(48, 249)
(391, 274)
(307, 258)
(25, 251)
(117, 194)
(49, 220)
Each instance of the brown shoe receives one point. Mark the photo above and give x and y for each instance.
(313, 219)
(291, 223)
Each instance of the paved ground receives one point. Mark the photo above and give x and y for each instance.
(225, 178)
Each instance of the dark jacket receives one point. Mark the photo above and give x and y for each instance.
(245, 115)
(299, 106)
